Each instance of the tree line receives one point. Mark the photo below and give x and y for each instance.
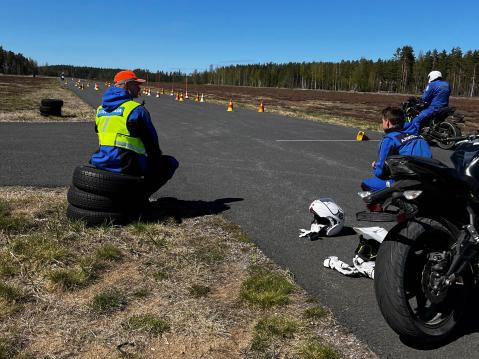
(404, 72)
(107, 74)
(12, 63)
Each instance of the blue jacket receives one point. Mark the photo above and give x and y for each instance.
(400, 143)
(119, 160)
(436, 94)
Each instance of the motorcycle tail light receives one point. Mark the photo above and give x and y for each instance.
(364, 194)
(375, 207)
(409, 195)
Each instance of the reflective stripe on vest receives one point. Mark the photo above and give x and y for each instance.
(112, 129)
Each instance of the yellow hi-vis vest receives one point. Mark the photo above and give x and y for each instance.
(112, 129)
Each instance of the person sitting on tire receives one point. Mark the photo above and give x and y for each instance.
(394, 142)
(436, 96)
(128, 140)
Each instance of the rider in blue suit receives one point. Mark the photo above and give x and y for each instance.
(394, 142)
(436, 96)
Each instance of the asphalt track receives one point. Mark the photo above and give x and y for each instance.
(234, 163)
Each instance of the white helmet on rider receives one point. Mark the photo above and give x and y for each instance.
(434, 75)
(328, 216)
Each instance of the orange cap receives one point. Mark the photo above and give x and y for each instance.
(126, 76)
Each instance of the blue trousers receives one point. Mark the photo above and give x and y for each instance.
(161, 172)
(414, 126)
(374, 184)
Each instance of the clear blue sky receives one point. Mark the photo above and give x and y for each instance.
(170, 35)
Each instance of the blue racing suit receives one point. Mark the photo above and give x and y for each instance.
(395, 143)
(156, 168)
(436, 95)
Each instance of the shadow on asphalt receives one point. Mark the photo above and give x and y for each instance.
(346, 231)
(468, 326)
(170, 207)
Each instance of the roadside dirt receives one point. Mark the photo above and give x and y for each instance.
(354, 108)
(20, 98)
(163, 289)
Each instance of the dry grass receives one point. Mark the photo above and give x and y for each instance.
(168, 289)
(354, 109)
(306, 110)
(20, 98)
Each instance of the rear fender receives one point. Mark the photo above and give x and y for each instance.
(418, 225)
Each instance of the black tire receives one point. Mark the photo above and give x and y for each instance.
(449, 130)
(96, 202)
(52, 103)
(47, 111)
(94, 218)
(398, 282)
(101, 182)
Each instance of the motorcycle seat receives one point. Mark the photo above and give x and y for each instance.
(411, 166)
(444, 112)
(414, 167)
(438, 115)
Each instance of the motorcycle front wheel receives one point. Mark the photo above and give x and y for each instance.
(448, 130)
(400, 284)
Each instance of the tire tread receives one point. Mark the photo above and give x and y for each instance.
(106, 183)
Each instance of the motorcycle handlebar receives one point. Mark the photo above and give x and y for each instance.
(462, 138)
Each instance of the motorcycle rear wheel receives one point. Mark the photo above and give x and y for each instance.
(399, 287)
(449, 130)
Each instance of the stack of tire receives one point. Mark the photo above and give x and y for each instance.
(101, 197)
(51, 107)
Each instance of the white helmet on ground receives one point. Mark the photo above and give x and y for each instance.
(433, 75)
(327, 215)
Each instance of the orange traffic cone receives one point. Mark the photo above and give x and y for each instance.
(158, 93)
(96, 87)
(149, 91)
(197, 98)
(181, 97)
(261, 106)
(177, 97)
(230, 106)
(202, 99)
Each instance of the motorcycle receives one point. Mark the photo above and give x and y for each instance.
(429, 261)
(440, 128)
